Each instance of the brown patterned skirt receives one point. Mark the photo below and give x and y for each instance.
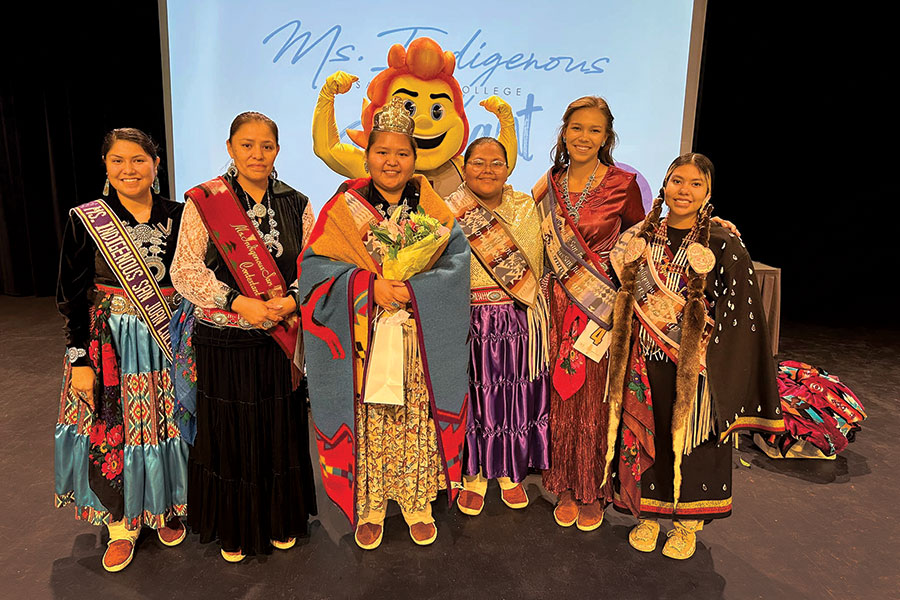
(577, 424)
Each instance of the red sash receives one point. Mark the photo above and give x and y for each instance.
(245, 253)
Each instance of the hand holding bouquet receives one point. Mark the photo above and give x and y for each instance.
(408, 245)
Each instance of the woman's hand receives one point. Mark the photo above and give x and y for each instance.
(727, 225)
(401, 292)
(256, 312)
(387, 291)
(83, 384)
(283, 306)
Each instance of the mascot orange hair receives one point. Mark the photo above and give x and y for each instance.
(422, 75)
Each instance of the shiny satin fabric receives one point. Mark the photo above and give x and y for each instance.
(507, 431)
(155, 456)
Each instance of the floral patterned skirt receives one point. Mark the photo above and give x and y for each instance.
(152, 465)
(397, 453)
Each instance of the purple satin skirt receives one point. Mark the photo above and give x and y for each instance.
(507, 429)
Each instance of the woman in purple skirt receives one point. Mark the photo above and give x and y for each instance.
(509, 400)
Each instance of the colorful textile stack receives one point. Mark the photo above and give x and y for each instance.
(817, 408)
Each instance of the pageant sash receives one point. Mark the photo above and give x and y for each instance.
(245, 253)
(659, 309)
(133, 274)
(576, 267)
(494, 246)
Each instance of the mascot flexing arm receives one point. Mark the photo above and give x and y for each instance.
(423, 76)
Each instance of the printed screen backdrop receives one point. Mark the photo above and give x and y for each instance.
(228, 56)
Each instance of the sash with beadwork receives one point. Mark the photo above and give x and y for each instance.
(659, 309)
(336, 277)
(576, 267)
(127, 264)
(494, 246)
(244, 252)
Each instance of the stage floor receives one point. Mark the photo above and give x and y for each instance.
(800, 529)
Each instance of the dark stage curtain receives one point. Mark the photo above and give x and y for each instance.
(69, 75)
(800, 155)
(783, 112)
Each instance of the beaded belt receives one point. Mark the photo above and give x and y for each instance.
(222, 318)
(489, 295)
(120, 304)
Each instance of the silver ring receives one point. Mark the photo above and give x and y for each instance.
(267, 324)
(395, 305)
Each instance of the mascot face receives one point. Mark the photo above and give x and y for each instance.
(423, 77)
(440, 129)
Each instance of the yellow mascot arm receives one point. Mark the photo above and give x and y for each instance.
(345, 159)
(507, 137)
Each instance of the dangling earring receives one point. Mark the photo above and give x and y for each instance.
(232, 169)
(365, 166)
(106, 188)
(155, 186)
(273, 175)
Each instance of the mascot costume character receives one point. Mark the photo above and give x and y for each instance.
(422, 76)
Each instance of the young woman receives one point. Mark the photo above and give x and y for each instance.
(119, 456)
(251, 480)
(690, 363)
(375, 452)
(509, 398)
(585, 202)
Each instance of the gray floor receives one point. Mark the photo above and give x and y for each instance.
(801, 529)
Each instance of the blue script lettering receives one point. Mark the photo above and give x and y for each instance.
(488, 65)
(303, 39)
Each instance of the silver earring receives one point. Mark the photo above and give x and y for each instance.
(232, 169)
(273, 175)
(366, 166)
(155, 186)
(106, 188)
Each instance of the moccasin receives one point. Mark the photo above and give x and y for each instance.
(423, 533)
(233, 557)
(173, 533)
(590, 516)
(644, 535)
(284, 545)
(368, 535)
(470, 503)
(118, 554)
(514, 497)
(566, 512)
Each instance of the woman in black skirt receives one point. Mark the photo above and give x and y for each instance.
(250, 481)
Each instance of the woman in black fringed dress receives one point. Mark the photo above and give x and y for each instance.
(690, 363)
(250, 477)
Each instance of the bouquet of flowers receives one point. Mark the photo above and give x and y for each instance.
(408, 245)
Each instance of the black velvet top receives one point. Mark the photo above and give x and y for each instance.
(410, 197)
(81, 266)
(288, 205)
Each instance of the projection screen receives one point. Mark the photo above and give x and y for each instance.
(222, 57)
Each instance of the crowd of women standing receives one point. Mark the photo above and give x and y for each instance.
(561, 332)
